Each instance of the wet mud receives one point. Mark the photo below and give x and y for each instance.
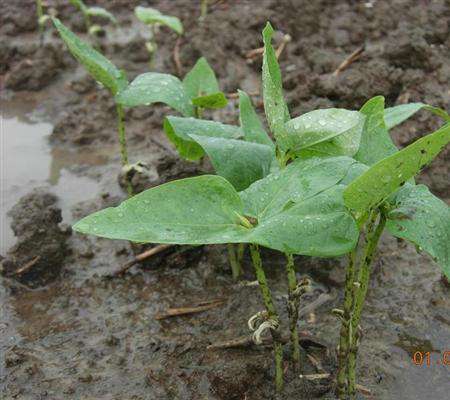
(71, 330)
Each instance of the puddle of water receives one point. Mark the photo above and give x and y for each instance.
(28, 161)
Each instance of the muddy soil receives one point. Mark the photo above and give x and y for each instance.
(82, 334)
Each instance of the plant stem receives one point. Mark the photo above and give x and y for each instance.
(293, 306)
(40, 13)
(272, 313)
(344, 341)
(203, 9)
(123, 142)
(232, 257)
(372, 238)
(240, 254)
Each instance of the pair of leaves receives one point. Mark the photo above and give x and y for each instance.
(241, 162)
(208, 210)
(98, 66)
(151, 16)
(199, 88)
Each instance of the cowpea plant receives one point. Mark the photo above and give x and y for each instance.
(153, 19)
(384, 195)
(105, 73)
(89, 12)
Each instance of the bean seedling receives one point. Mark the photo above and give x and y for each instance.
(104, 72)
(89, 12)
(153, 19)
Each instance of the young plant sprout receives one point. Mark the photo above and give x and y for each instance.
(153, 19)
(105, 73)
(385, 196)
(42, 19)
(89, 12)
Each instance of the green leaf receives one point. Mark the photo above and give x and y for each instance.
(275, 107)
(387, 175)
(376, 142)
(101, 69)
(300, 180)
(201, 80)
(102, 13)
(198, 210)
(396, 115)
(154, 87)
(179, 131)
(424, 220)
(250, 123)
(315, 226)
(240, 162)
(80, 5)
(331, 131)
(150, 16)
(215, 100)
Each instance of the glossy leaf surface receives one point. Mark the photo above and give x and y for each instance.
(387, 175)
(423, 219)
(154, 87)
(98, 66)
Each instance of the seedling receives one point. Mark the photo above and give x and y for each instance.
(89, 12)
(42, 19)
(385, 196)
(105, 73)
(153, 19)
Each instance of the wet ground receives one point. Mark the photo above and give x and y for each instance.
(77, 333)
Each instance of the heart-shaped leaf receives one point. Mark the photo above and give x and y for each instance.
(201, 80)
(101, 69)
(215, 100)
(387, 175)
(240, 162)
(250, 123)
(154, 87)
(300, 180)
(331, 131)
(376, 142)
(179, 131)
(150, 16)
(196, 210)
(424, 220)
(275, 107)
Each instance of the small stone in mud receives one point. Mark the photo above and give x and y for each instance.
(41, 246)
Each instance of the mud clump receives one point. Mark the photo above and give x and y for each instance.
(41, 247)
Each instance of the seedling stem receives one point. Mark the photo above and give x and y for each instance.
(272, 314)
(123, 142)
(293, 305)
